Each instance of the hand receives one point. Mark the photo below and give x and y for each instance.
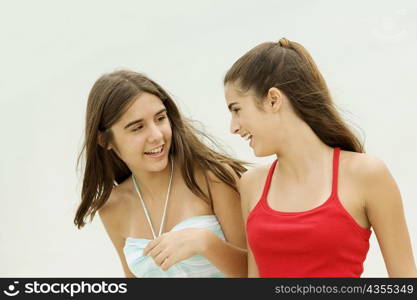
(175, 246)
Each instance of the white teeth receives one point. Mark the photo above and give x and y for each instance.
(155, 151)
(247, 136)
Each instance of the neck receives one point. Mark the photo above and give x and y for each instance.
(150, 182)
(305, 156)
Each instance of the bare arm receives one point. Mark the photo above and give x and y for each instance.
(229, 256)
(385, 212)
(110, 224)
(246, 192)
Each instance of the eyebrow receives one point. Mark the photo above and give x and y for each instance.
(230, 106)
(140, 120)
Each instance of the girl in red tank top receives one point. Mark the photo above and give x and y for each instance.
(280, 103)
(303, 243)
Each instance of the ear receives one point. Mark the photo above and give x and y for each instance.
(273, 101)
(102, 141)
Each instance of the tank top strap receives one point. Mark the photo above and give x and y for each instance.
(335, 176)
(268, 180)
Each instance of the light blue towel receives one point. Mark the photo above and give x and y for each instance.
(195, 266)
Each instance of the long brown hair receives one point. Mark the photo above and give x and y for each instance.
(109, 98)
(288, 66)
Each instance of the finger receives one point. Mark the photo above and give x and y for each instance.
(160, 258)
(148, 248)
(152, 244)
(165, 265)
(156, 251)
(169, 262)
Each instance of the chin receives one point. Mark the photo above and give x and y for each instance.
(262, 152)
(158, 166)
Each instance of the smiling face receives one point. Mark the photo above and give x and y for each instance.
(257, 126)
(142, 135)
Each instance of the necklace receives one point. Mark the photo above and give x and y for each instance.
(166, 202)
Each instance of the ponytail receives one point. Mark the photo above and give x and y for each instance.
(288, 66)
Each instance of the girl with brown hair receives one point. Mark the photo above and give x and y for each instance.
(310, 213)
(168, 202)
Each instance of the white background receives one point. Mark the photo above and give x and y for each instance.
(52, 52)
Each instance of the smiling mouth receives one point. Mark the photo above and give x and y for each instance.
(247, 137)
(155, 150)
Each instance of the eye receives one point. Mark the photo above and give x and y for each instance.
(137, 128)
(161, 118)
(235, 110)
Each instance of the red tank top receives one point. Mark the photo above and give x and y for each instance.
(321, 242)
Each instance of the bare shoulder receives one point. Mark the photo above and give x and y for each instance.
(251, 186)
(215, 179)
(253, 178)
(115, 205)
(248, 179)
(371, 177)
(113, 216)
(364, 167)
(218, 187)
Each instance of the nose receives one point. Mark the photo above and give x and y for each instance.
(155, 134)
(234, 126)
